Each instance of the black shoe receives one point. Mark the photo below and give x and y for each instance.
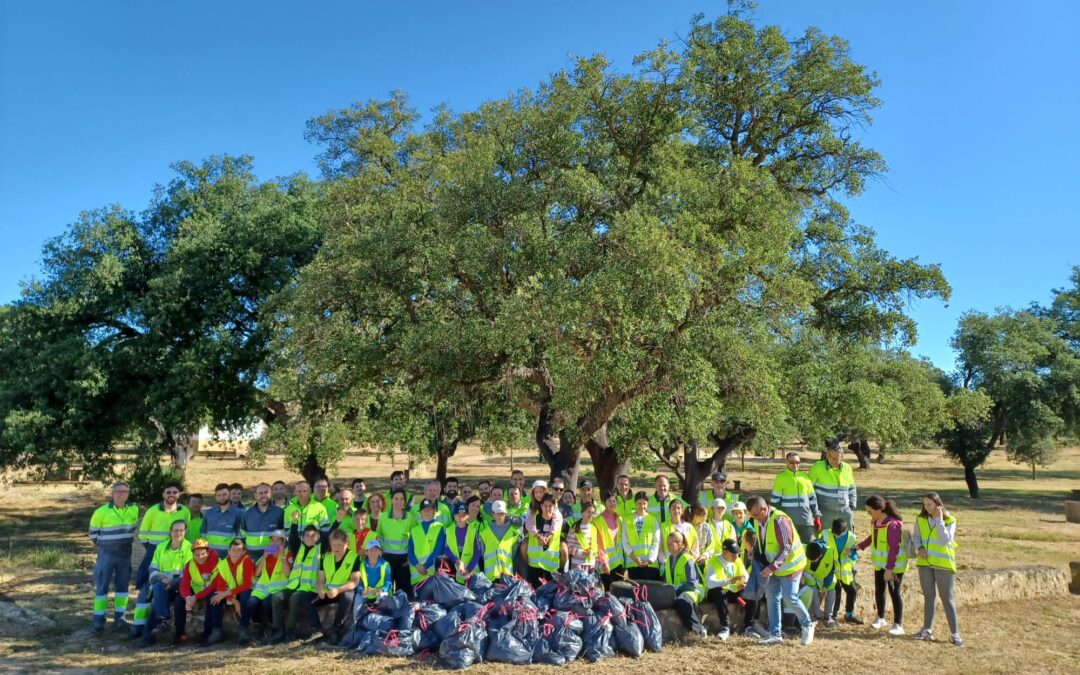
(276, 638)
(180, 640)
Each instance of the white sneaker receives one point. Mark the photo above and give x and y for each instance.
(724, 634)
(896, 629)
(771, 640)
(878, 624)
(807, 635)
(760, 631)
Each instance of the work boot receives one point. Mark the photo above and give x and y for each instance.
(243, 637)
(180, 640)
(276, 637)
(99, 624)
(215, 637)
(120, 624)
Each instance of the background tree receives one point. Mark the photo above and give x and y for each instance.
(145, 327)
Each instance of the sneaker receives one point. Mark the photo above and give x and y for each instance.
(807, 635)
(957, 642)
(215, 637)
(853, 620)
(830, 623)
(276, 638)
(724, 634)
(700, 631)
(896, 629)
(749, 632)
(879, 623)
(760, 631)
(316, 636)
(243, 638)
(771, 640)
(923, 634)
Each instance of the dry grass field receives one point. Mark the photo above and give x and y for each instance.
(45, 563)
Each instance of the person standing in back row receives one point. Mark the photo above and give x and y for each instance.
(834, 487)
(112, 529)
(793, 493)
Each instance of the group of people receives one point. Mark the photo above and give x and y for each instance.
(280, 559)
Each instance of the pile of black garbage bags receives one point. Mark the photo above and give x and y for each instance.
(508, 621)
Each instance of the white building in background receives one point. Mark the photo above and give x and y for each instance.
(235, 441)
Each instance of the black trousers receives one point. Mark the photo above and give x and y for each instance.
(894, 593)
(614, 575)
(849, 605)
(643, 573)
(292, 604)
(721, 598)
(688, 613)
(399, 572)
(343, 611)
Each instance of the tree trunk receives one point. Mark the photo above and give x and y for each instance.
(442, 456)
(606, 463)
(696, 470)
(972, 481)
(311, 470)
(555, 449)
(862, 452)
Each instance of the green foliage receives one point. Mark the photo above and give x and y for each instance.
(144, 327)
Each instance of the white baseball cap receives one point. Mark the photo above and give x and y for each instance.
(539, 483)
(498, 506)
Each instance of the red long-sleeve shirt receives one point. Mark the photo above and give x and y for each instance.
(248, 573)
(206, 570)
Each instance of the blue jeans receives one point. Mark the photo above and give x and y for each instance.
(784, 591)
(111, 569)
(162, 599)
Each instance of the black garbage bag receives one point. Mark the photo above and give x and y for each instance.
(568, 619)
(526, 619)
(351, 639)
(406, 618)
(609, 604)
(543, 603)
(581, 581)
(465, 647)
(627, 639)
(505, 647)
(642, 614)
(392, 603)
(469, 609)
(394, 643)
(447, 626)
(549, 588)
(596, 638)
(443, 590)
(374, 621)
(480, 586)
(509, 589)
(563, 633)
(567, 600)
(543, 653)
(427, 614)
(364, 638)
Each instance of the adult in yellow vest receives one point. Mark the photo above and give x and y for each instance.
(154, 529)
(337, 582)
(498, 542)
(545, 538)
(793, 493)
(726, 577)
(718, 489)
(641, 542)
(112, 530)
(609, 525)
(517, 509)
(433, 493)
(661, 500)
(681, 573)
(935, 540)
(195, 520)
(166, 569)
(305, 553)
(886, 543)
(235, 577)
(271, 578)
(780, 552)
(624, 496)
(427, 544)
(834, 486)
(677, 523)
(322, 492)
(303, 510)
(393, 531)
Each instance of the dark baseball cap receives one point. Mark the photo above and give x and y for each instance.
(586, 483)
(460, 508)
(719, 475)
(427, 504)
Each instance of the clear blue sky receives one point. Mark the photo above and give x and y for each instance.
(979, 125)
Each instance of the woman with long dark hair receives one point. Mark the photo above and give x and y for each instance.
(889, 558)
(934, 535)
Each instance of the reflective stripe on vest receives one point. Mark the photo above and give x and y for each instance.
(198, 580)
(942, 557)
(394, 534)
(265, 585)
(675, 576)
(610, 540)
(384, 570)
(592, 543)
(339, 576)
(879, 553)
(640, 544)
(423, 546)
(466, 555)
(546, 558)
(796, 559)
(845, 566)
(305, 570)
(499, 553)
(225, 572)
